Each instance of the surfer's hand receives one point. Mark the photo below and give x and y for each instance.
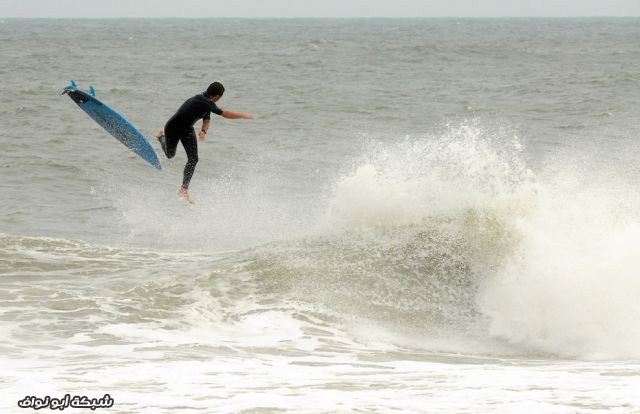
(201, 135)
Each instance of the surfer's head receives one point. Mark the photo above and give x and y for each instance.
(215, 91)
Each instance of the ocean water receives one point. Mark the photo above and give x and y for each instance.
(426, 216)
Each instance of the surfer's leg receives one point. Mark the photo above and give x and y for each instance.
(190, 144)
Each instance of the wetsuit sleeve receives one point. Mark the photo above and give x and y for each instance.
(214, 108)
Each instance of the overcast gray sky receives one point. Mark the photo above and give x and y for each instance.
(316, 8)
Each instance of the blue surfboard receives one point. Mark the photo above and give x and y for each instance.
(113, 122)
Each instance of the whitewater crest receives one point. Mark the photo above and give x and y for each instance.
(425, 176)
(454, 233)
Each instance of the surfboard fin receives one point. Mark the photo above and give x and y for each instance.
(92, 91)
(72, 86)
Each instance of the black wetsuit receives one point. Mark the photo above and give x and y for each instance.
(180, 128)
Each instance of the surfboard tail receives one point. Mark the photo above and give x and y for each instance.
(72, 86)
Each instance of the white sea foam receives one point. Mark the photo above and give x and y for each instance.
(425, 176)
(571, 285)
(555, 259)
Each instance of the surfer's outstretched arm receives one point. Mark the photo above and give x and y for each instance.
(236, 115)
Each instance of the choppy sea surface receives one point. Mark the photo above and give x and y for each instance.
(426, 216)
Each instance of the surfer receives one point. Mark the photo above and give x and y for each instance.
(180, 128)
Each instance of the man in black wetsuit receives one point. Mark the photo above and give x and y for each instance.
(180, 128)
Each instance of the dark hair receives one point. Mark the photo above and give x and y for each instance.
(215, 88)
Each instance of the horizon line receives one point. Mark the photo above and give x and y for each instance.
(320, 17)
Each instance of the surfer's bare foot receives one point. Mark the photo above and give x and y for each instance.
(160, 134)
(184, 194)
